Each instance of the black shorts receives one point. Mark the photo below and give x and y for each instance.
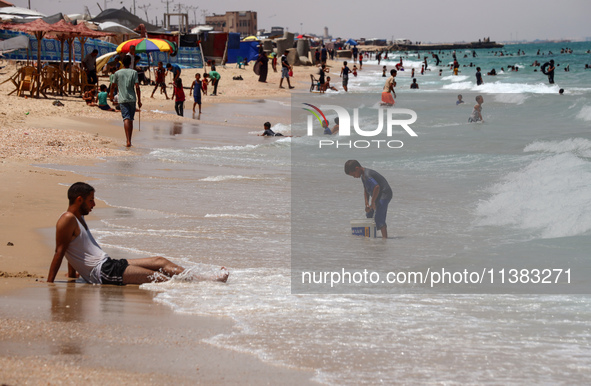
(112, 271)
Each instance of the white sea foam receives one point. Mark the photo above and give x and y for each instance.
(226, 178)
(579, 146)
(585, 114)
(550, 197)
(231, 215)
(501, 87)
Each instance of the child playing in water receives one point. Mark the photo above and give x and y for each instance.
(196, 92)
(459, 101)
(384, 71)
(327, 86)
(477, 112)
(354, 71)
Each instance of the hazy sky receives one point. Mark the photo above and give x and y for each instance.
(419, 20)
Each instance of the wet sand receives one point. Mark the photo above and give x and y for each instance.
(71, 332)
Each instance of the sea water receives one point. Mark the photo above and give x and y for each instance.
(513, 189)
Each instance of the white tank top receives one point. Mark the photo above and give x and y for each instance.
(85, 255)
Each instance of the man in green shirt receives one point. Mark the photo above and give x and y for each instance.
(126, 81)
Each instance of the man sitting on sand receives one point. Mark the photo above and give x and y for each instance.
(85, 256)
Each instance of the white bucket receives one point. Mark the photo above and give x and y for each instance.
(365, 227)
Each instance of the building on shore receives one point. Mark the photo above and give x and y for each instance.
(243, 22)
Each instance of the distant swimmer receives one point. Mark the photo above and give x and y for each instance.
(548, 69)
(477, 112)
(459, 101)
(414, 84)
(86, 258)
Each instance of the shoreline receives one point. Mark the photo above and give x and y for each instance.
(38, 133)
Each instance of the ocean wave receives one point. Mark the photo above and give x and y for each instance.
(232, 215)
(578, 146)
(226, 178)
(585, 114)
(507, 88)
(550, 197)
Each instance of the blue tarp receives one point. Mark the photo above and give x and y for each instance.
(248, 50)
(351, 42)
(50, 51)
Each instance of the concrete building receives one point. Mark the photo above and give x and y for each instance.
(244, 22)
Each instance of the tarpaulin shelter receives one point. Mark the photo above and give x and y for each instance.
(124, 17)
(214, 45)
(15, 43)
(351, 42)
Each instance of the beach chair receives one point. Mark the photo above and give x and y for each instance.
(27, 80)
(315, 84)
(52, 79)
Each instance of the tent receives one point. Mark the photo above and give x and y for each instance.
(124, 17)
(351, 42)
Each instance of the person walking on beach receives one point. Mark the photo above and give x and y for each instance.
(86, 258)
(387, 97)
(477, 112)
(128, 93)
(263, 66)
(196, 91)
(285, 67)
(179, 97)
(375, 187)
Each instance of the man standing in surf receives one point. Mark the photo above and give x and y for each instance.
(387, 97)
(376, 187)
(85, 256)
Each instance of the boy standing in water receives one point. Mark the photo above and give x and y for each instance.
(376, 187)
(345, 75)
(477, 112)
(478, 77)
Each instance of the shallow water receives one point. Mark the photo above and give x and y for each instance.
(513, 191)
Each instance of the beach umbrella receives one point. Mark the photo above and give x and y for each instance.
(147, 45)
(117, 28)
(251, 38)
(102, 60)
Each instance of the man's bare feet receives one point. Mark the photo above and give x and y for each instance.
(223, 275)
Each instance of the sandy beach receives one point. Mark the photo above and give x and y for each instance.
(67, 333)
